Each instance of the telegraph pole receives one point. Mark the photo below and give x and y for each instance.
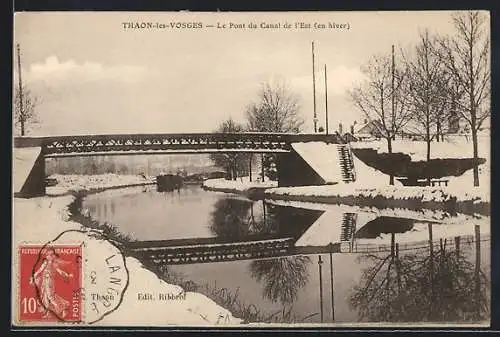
(392, 91)
(21, 109)
(393, 111)
(326, 102)
(320, 262)
(331, 282)
(315, 120)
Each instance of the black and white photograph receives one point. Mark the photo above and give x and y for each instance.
(251, 169)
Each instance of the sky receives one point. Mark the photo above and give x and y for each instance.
(92, 75)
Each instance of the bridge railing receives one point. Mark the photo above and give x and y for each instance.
(180, 141)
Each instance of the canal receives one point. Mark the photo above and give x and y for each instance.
(411, 284)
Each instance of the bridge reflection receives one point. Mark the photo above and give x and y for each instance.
(243, 230)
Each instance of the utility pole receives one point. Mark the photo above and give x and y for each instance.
(331, 281)
(315, 120)
(393, 108)
(21, 100)
(320, 262)
(392, 92)
(326, 102)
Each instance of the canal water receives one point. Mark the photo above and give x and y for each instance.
(409, 285)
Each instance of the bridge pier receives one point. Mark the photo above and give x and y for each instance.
(34, 184)
(293, 170)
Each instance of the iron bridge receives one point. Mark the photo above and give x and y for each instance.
(55, 146)
(178, 252)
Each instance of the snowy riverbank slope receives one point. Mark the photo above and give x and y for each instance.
(75, 182)
(40, 220)
(370, 184)
(452, 147)
(239, 185)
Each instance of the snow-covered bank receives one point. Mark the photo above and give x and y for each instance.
(454, 200)
(240, 185)
(40, 220)
(435, 216)
(74, 182)
(452, 147)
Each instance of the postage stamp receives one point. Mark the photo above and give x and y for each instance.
(76, 278)
(50, 279)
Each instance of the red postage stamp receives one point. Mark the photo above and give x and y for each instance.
(50, 284)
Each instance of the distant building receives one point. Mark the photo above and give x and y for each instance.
(368, 129)
(453, 122)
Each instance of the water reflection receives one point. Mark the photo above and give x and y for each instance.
(399, 285)
(282, 278)
(384, 225)
(229, 218)
(237, 219)
(421, 285)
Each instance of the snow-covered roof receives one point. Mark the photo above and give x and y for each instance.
(362, 128)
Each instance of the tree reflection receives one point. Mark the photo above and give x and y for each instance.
(229, 219)
(282, 277)
(265, 221)
(426, 285)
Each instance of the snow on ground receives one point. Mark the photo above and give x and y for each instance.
(368, 176)
(435, 194)
(195, 309)
(323, 158)
(371, 182)
(75, 182)
(452, 147)
(24, 159)
(40, 220)
(437, 216)
(240, 184)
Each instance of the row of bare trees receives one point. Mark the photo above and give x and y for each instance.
(276, 109)
(440, 78)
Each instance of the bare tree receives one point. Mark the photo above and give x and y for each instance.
(277, 110)
(466, 55)
(427, 88)
(234, 163)
(382, 97)
(25, 104)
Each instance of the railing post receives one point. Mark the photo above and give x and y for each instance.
(331, 282)
(477, 271)
(320, 262)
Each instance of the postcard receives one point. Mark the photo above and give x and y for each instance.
(251, 169)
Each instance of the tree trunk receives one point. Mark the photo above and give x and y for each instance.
(475, 156)
(250, 167)
(389, 149)
(262, 166)
(428, 156)
(438, 130)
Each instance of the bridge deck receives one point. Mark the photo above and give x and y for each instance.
(170, 143)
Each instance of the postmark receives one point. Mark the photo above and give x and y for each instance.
(78, 278)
